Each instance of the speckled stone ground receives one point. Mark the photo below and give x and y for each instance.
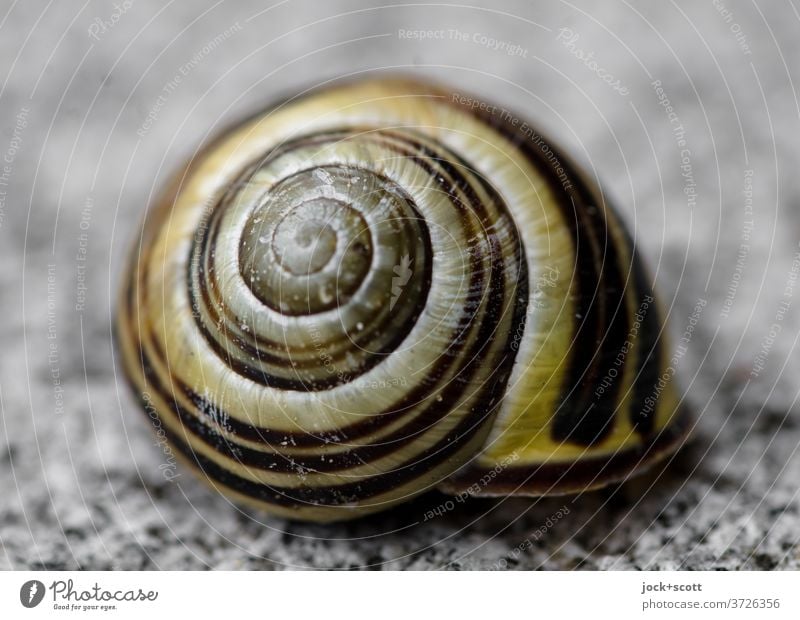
(91, 125)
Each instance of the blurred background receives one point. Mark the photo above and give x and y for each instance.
(688, 114)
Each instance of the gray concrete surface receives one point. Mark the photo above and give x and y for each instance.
(719, 223)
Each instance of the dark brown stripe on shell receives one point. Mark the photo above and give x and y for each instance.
(582, 417)
(648, 351)
(578, 475)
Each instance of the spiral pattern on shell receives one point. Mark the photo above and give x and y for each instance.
(376, 290)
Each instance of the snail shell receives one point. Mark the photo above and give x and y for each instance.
(378, 289)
